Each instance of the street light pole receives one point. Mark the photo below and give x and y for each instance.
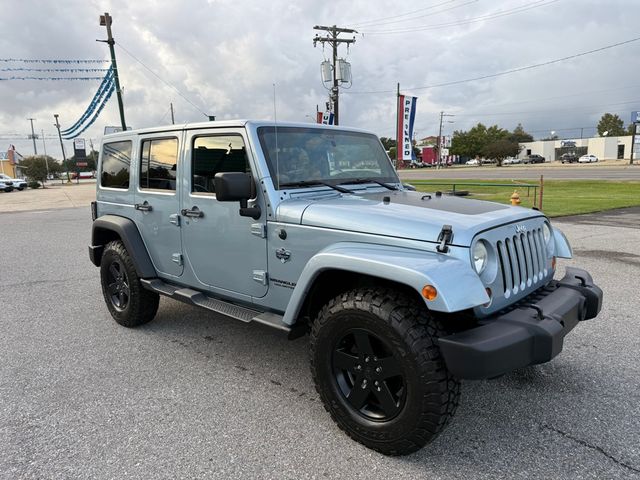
(64, 157)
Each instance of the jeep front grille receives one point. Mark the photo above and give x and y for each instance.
(521, 261)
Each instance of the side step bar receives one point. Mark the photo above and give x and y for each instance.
(194, 297)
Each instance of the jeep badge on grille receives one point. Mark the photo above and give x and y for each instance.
(520, 228)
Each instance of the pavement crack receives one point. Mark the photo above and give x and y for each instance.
(38, 282)
(586, 444)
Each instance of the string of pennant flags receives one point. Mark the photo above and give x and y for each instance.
(97, 103)
(74, 70)
(71, 136)
(51, 62)
(26, 60)
(49, 78)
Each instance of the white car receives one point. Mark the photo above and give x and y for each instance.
(17, 183)
(473, 161)
(511, 161)
(587, 159)
(4, 187)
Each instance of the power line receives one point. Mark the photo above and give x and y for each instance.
(454, 7)
(402, 14)
(493, 75)
(162, 80)
(573, 109)
(491, 16)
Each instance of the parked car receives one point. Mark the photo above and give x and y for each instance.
(75, 175)
(17, 183)
(473, 161)
(404, 293)
(587, 159)
(535, 158)
(568, 158)
(5, 187)
(511, 161)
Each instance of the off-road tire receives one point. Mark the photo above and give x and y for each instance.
(141, 305)
(431, 393)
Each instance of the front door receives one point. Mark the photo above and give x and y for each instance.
(157, 202)
(227, 252)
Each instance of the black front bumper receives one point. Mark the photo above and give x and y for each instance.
(530, 333)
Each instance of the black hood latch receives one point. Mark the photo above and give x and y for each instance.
(445, 237)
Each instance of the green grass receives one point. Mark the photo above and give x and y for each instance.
(560, 197)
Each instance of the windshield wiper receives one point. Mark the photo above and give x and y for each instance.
(311, 183)
(357, 181)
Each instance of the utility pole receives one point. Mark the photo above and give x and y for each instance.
(173, 121)
(105, 21)
(33, 136)
(633, 142)
(46, 160)
(64, 157)
(333, 40)
(440, 142)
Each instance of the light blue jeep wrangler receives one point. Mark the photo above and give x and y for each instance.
(307, 228)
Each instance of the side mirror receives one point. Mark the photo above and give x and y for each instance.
(237, 187)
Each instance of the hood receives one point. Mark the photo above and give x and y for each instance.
(406, 214)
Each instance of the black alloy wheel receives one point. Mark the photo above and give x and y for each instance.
(368, 375)
(118, 285)
(128, 302)
(377, 367)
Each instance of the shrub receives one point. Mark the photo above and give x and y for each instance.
(34, 184)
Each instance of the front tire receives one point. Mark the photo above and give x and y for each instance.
(128, 302)
(379, 372)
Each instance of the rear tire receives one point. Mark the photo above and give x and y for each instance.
(378, 369)
(128, 302)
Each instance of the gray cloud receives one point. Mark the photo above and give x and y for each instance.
(225, 56)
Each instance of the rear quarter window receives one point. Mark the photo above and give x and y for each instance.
(116, 165)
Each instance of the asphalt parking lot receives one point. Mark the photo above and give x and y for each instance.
(192, 395)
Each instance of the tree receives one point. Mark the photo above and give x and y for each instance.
(520, 136)
(612, 124)
(473, 142)
(387, 142)
(501, 149)
(36, 167)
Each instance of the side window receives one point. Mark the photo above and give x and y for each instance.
(213, 154)
(158, 164)
(116, 162)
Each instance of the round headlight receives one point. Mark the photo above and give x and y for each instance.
(480, 256)
(546, 232)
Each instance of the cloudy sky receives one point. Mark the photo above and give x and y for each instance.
(224, 56)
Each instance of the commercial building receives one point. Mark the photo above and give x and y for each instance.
(605, 148)
(10, 162)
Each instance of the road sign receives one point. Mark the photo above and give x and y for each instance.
(635, 117)
(81, 164)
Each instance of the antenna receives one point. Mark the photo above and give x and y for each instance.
(275, 121)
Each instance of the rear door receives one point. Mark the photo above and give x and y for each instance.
(157, 201)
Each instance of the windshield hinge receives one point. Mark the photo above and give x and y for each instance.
(259, 230)
(445, 238)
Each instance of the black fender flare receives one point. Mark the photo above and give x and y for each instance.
(102, 232)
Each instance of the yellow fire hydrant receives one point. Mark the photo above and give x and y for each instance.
(515, 198)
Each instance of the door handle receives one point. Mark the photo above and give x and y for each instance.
(195, 212)
(144, 207)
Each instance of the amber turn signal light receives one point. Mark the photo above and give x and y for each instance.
(553, 263)
(429, 292)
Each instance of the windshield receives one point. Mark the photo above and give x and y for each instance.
(307, 155)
